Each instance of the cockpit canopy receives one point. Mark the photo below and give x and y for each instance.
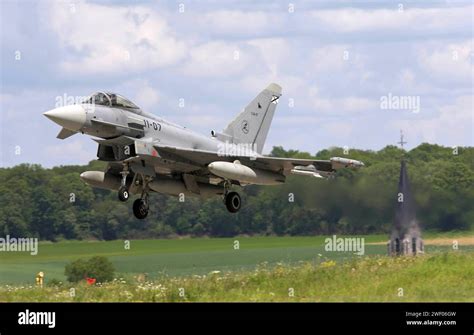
(111, 100)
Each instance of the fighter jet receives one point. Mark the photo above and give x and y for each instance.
(146, 153)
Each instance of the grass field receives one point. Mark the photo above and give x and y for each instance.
(173, 257)
(262, 269)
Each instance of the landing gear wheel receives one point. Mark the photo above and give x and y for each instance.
(233, 202)
(123, 194)
(140, 209)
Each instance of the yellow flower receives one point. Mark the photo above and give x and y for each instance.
(328, 264)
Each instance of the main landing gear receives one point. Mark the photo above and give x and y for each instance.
(140, 208)
(233, 202)
(141, 205)
(232, 199)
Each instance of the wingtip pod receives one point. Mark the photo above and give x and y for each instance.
(275, 88)
(339, 163)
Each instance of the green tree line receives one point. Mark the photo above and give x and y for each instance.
(55, 204)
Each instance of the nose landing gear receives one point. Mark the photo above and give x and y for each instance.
(123, 193)
(141, 205)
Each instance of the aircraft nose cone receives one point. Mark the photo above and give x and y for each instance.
(71, 117)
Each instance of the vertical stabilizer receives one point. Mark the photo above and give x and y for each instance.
(251, 126)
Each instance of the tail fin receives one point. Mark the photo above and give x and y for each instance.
(252, 124)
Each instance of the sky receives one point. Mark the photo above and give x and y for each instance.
(353, 73)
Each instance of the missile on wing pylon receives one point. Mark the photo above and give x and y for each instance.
(309, 171)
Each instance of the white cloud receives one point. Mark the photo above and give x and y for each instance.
(237, 22)
(17, 106)
(147, 97)
(345, 105)
(357, 104)
(408, 19)
(330, 58)
(452, 125)
(70, 151)
(217, 59)
(447, 62)
(406, 78)
(113, 39)
(141, 92)
(274, 53)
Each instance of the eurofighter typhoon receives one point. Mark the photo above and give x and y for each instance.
(146, 153)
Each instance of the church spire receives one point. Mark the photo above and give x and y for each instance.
(402, 142)
(405, 238)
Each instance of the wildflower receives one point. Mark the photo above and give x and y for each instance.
(91, 281)
(328, 264)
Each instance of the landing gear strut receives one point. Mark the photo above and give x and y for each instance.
(141, 206)
(123, 193)
(231, 199)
